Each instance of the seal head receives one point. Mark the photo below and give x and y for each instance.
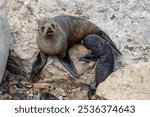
(51, 39)
(95, 44)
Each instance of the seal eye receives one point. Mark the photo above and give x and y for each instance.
(53, 26)
(42, 29)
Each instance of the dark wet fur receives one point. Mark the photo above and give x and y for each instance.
(102, 52)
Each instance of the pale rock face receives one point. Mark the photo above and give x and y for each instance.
(4, 42)
(131, 82)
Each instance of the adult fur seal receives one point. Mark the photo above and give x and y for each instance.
(57, 35)
(102, 53)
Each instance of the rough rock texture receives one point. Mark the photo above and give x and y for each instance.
(126, 22)
(131, 82)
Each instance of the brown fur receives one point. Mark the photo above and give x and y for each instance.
(56, 35)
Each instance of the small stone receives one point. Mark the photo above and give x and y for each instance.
(17, 96)
(40, 85)
(112, 17)
(15, 82)
(29, 86)
(2, 97)
(19, 85)
(10, 77)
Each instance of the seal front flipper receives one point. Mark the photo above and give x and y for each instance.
(38, 65)
(88, 57)
(69, 65)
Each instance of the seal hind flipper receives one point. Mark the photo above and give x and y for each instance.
(38, 65)
(69, 65)
(91, 92)
(104, 36)
(113, 45)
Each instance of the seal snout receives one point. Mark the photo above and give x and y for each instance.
(48, 31)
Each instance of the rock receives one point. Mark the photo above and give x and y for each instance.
(17, 96)
(131, 82)
(4, 42)
(77, 94)
(45, 95)
(15, 65)
(2, 97)
(40, 85)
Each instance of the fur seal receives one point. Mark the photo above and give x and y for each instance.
(57, 35)
(101, 52)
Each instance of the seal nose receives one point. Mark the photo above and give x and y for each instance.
(48, 31)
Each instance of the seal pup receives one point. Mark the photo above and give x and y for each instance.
(101, 52)
(57, 35)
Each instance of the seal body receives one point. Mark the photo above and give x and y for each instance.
(58, 34)
(65, 32)
(102, 53)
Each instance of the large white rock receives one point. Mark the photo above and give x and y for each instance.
(131, 82)
(4, 42)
